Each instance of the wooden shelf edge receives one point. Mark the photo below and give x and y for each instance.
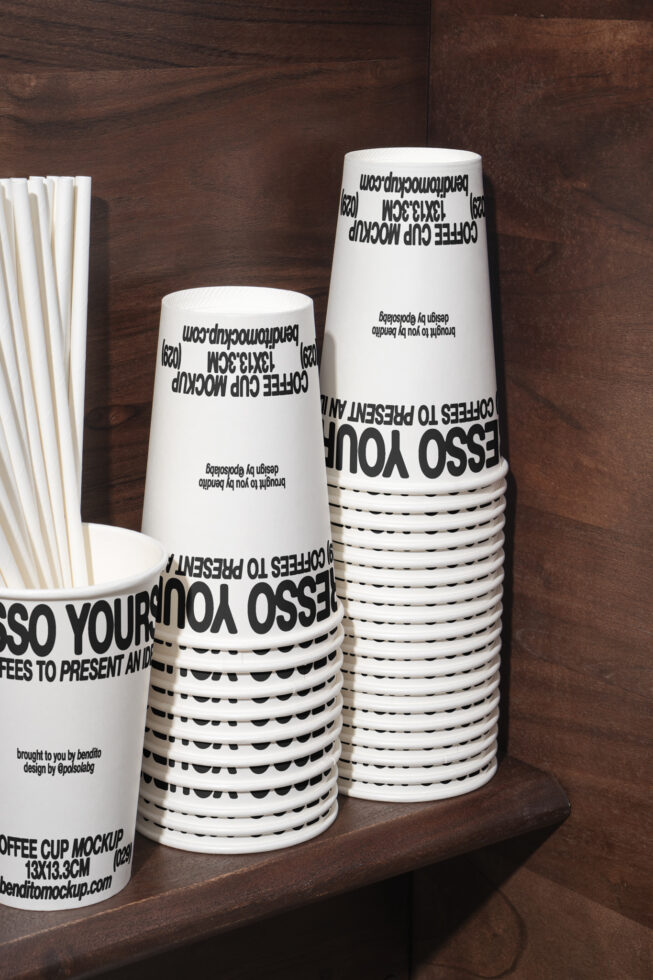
(176, 897)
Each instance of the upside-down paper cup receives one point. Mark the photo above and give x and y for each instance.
(407, 374)
(235, 483)
(69, 791)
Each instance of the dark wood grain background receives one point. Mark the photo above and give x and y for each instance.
(214, 133)
(558, 98)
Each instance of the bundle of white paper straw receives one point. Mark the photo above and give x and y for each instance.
(44, 248)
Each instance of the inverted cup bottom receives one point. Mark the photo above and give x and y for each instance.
(236, 845)
(417, 794)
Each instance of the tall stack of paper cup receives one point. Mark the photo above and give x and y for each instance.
(415, 473)
(244, 714)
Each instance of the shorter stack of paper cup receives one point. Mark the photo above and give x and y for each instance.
(416, 478)
(244, 713)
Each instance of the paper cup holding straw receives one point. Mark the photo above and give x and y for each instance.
(72, 710)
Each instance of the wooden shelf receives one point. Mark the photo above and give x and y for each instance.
(176, 897)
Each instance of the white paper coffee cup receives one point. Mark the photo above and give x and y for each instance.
(407, 375)
(81, 657)
(235, 482)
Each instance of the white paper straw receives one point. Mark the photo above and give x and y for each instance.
(62, 243)
(33, 320)
(10, 570)
(13, 523)
(28, 462)
(78, 313)
(70, 484)
(8, 354)
(15, 482)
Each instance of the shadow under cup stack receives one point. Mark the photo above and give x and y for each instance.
(244, 713)
(415, 473)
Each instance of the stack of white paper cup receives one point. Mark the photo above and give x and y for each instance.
(416, 477)
(244, 714)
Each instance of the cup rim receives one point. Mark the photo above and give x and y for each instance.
(237, 301)
(415, 156)
(97, 589)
